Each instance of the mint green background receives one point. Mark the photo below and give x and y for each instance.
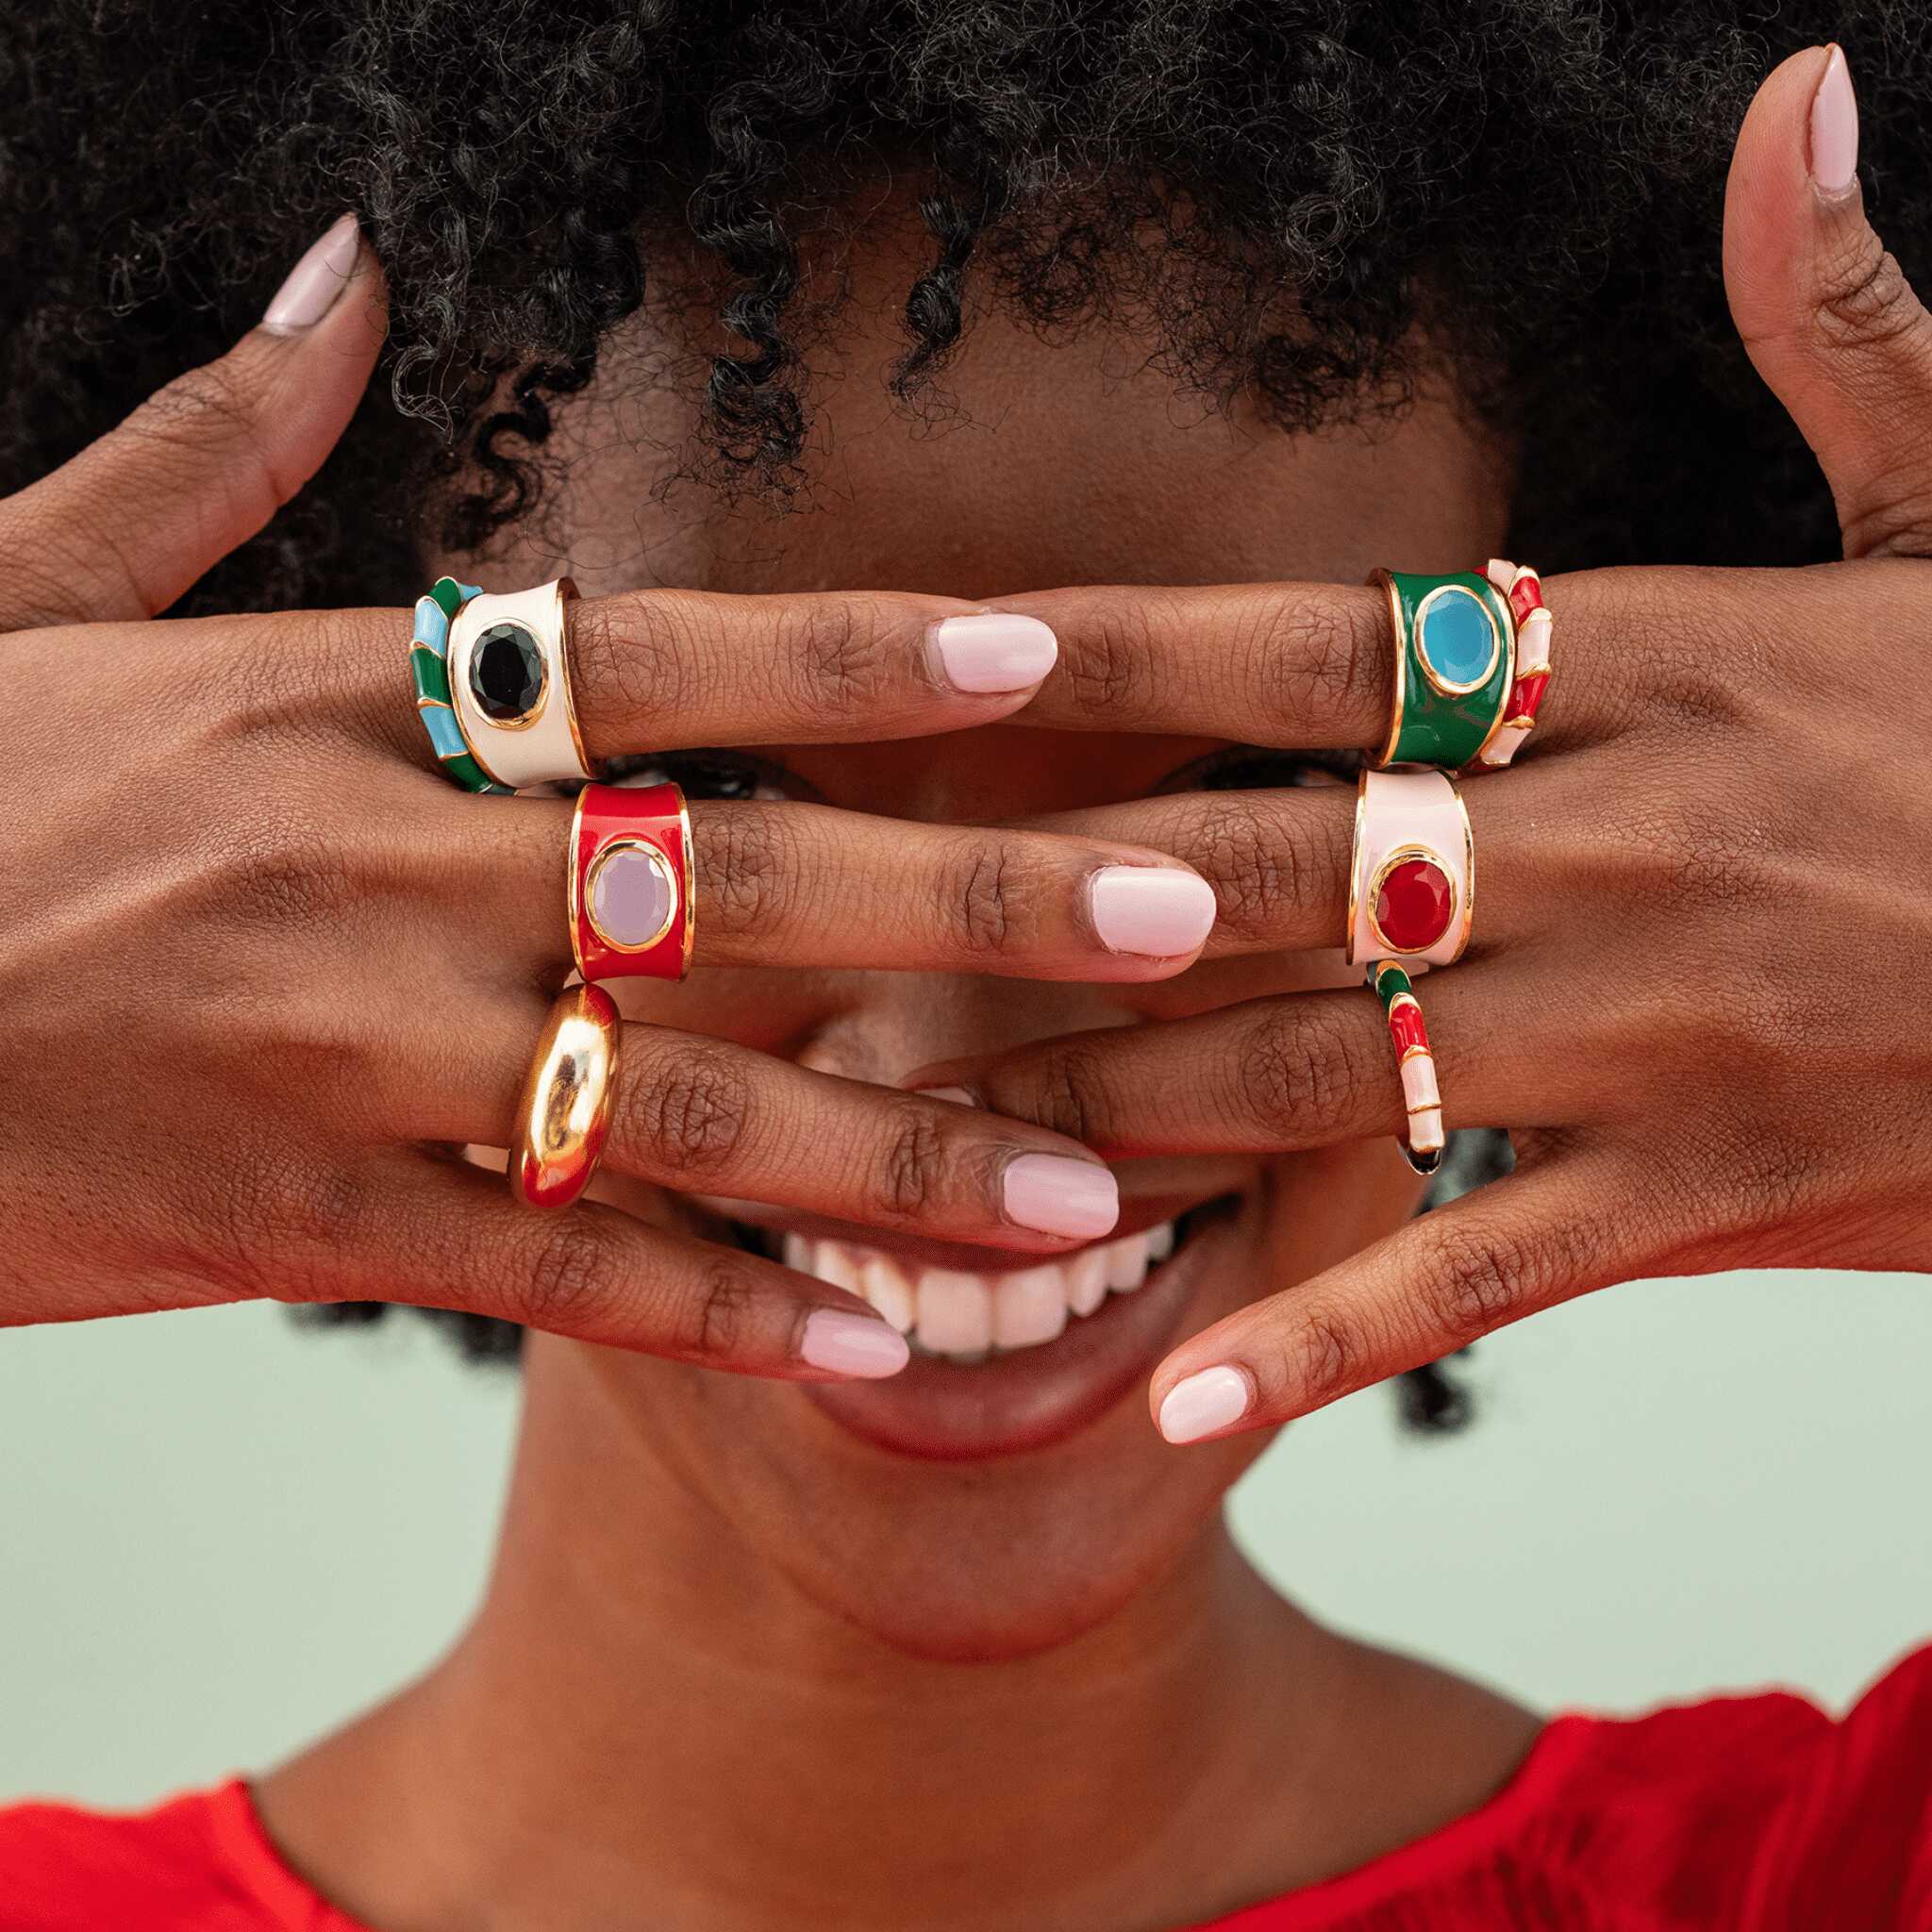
(219, 1534)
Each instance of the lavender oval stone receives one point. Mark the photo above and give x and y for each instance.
(631, 896)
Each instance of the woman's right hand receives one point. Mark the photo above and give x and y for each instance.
(261, 967)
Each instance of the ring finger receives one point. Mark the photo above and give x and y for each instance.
(806, 885)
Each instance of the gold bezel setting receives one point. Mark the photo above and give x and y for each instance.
(675, 908)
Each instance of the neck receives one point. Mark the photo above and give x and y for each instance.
(645, 1727)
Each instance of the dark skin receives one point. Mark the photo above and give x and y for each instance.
(744, 1662)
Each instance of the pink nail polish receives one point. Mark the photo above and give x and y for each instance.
(1203, 1403)
(1156, 910)
(861, 1346)
(993, 651)
(1052, 1193)
(953, 1097)
(1835, 129)
(315, 281)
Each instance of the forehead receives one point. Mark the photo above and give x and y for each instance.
(1038, 461)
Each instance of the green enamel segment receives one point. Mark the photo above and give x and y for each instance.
(449, 593)
(430, 675)
(1446, 732)
(1390, 983)
(467, 773)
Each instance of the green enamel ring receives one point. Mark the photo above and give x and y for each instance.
(1455, 664)
(429, 669)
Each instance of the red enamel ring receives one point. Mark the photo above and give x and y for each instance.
(630, 870)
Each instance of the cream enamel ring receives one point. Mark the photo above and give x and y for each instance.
(1411, 895)
(508, 677)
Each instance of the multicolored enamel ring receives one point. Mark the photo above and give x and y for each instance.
(1411, 893)
(630, 870)
(492, 684)
(1524, 590)
(1454, 667)
(1421, 1145)
(565, 1112)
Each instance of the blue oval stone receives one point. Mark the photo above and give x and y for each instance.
(1456, 638)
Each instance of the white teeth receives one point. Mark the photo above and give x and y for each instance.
(955, 1311)
(837, 1265)
(883, 1283)
(967, 1316)
(1126, 1263)
(1029, 1306)
(1087, 1280)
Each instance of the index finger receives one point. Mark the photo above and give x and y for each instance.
(1288, 665)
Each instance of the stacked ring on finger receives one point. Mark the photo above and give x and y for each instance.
(1523, 587)
(1471, 663)
(564, 1114)
(1421, 1100)
(631, 913)
(492, 684)
(1411, 906)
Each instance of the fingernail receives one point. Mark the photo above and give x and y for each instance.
(315, 281)
(993, 651)
(956, 1096)
(848, 1345)
(1200, 1404)
(1155, 909)
(1835, 129)
(1054, 1194)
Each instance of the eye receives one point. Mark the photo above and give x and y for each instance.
(1255, 768)
(707, 774)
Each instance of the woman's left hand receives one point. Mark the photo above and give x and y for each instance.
(1695, 990)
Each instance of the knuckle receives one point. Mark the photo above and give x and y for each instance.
(1295, 1076)
(1266, 872)
(575, 1268)
(1107, 667)
(1864, 301)
(1328, 1356)
(631, 656)
(751, 863)
(839, 652)
(1297, 652)
(687, 1113)
(1066, 1095)
(985, 898)
(282, 874)
(710, 1316)
(909, 1165)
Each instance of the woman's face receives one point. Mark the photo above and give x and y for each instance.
(994, 1505)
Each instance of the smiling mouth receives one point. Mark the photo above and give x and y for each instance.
(966, 1317)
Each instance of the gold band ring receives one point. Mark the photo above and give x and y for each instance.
(565, 1111)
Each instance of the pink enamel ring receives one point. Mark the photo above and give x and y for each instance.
(1411, 895)
(1524, 590)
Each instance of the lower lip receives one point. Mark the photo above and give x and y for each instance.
(1031, 1397)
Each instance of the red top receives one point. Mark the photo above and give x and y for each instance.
(1740, 1812)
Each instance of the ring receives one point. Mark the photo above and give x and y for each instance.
(509, 683)
(1411, 892)
(430, 668)
(1422, 1145)
(630, 868)
(1454, 667)
(492, 684)
(565, 1111)
(1524, 590)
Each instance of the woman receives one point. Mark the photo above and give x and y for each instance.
(1017, 1013)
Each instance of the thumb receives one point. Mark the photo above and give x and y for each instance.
(130, 523)
(1828, 315)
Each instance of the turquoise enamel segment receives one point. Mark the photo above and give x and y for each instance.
(429, 671)
(1454, 662)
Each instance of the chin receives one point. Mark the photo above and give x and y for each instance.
(1009, 1491)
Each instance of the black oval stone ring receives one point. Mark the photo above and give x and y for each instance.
(509, 686)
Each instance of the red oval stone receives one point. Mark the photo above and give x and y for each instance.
(1412, 908)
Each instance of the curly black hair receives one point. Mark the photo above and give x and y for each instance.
(1300, 201)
